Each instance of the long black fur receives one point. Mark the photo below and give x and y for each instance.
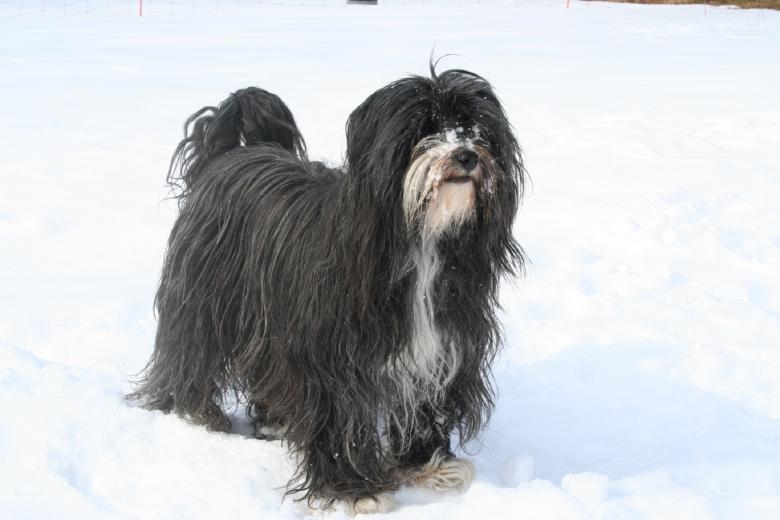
(289, 282)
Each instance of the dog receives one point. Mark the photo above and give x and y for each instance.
(352, 308)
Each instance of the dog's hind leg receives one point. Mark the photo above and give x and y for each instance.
(172, 382)
(197, 405)
(202, 408)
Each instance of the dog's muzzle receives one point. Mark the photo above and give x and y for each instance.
(466, 167)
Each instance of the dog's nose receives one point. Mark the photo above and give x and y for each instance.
(467, 160)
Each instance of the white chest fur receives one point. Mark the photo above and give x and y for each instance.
(430, 362)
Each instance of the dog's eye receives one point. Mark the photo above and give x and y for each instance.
(483, 143)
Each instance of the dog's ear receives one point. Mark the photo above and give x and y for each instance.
(359, 130)
(382, 131)
(370, 123)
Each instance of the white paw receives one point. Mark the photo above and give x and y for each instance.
(367, 505)
(442, 473)
(372, 504)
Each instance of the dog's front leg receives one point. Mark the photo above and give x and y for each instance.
(344, 467)
(429, 462)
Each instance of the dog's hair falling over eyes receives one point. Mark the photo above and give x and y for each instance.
(353, 308)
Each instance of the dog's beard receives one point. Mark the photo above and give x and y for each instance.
(439, 194)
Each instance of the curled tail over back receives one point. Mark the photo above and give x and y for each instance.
(247, 117)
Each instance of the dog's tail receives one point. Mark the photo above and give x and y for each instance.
(247, 117)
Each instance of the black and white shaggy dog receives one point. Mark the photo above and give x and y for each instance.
(353, 308)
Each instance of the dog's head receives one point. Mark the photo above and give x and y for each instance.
(440, 151)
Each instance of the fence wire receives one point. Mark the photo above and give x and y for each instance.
(69, 8)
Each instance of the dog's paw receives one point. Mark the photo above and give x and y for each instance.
(270, 432)
(372, 504)
(366, 505)
(443, 472)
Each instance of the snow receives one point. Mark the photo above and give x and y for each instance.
(641, 377)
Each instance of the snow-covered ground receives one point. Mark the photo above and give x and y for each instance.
(641, 378)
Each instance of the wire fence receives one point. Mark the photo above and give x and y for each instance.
(68, 8)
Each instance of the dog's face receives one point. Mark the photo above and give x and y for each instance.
(446, 173)
(440, 150)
